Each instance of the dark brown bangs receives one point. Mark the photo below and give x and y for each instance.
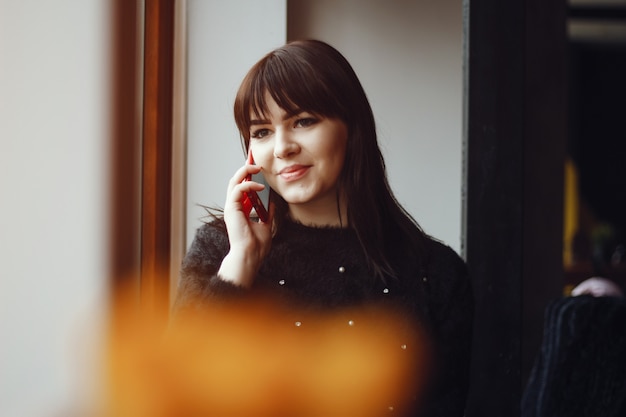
(293, 82)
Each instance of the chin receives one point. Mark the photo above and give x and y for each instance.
(298, 197)
(297, 200)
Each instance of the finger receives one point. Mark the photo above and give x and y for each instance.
(242, 174)
(241, 191)
(236, 197)
(237, 187)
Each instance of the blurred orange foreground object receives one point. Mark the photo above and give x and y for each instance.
(265, 360)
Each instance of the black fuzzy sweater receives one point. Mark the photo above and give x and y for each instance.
(580, 370)
(316, 267)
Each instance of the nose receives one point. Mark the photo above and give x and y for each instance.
(284, 145)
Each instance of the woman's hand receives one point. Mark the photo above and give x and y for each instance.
(249, 240)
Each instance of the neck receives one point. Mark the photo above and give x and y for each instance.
(320, 213)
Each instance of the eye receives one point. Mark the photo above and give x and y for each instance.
(259, 133)
(305, 122)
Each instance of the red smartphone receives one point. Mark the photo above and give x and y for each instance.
(260, 201)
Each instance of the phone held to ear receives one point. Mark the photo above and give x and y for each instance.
(260, 201)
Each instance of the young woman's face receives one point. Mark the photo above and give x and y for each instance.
(302, 157)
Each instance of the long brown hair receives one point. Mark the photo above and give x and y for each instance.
(312, 76)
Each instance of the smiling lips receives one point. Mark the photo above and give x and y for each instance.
(293, 172)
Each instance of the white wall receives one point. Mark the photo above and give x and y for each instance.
(224, 39)
(53, 132)
(408, 55)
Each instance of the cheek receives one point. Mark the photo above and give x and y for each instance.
(336, 159)
(338, 155)
(262, 154)
(339, 145)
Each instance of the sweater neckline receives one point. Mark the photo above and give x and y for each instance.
(294, 225)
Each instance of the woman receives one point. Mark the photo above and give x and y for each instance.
(336, 236)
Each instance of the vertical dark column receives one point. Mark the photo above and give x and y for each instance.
(494, 129)
(545, 138)
(125, 151)
(157, 156)
(513, 155)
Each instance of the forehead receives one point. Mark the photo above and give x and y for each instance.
(269, 109)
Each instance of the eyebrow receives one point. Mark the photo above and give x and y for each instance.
(254, 122)
(287, 116)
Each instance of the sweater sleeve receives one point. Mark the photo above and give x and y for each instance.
(199, 282)
(452, 307)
